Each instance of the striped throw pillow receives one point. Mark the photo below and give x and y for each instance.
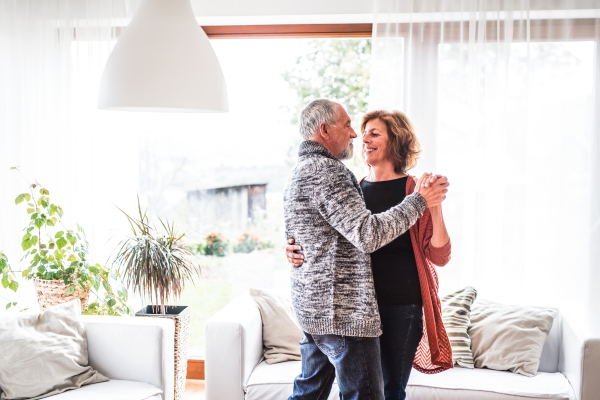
(456, 314)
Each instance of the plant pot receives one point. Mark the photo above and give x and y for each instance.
(181, 315)
(51, 293)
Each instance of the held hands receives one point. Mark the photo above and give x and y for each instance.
(294, 258)
(433, 188)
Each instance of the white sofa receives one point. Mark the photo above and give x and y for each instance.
(137, 354)
(569, 365)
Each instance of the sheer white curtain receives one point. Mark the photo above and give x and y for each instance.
(504, 97)
(51, 58)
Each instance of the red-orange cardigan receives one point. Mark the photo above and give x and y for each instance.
(434, 353)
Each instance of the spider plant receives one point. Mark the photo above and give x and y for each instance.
(155, 263)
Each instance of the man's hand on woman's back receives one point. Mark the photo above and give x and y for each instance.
(294, 258)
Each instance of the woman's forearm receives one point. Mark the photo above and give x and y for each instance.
(440, 235)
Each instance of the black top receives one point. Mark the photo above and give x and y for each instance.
(394, 266)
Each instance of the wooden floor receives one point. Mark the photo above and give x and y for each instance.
(194, 390)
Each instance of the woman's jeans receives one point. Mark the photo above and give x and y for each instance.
(402, 332)
(355, 361)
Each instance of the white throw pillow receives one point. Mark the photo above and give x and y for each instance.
(281, 334)
(456, 315)
(509, 338)
(44, 354)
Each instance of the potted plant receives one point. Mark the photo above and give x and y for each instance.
(57, 260)
(157, 265)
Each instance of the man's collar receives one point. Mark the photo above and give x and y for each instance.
(308, 147)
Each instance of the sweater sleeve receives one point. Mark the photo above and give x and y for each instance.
(439, 256)
(340, 203)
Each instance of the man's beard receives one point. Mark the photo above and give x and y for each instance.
(346, 154)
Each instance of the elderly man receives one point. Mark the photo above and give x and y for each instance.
(332, 293)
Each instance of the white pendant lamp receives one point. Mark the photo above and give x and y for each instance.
(163, 61)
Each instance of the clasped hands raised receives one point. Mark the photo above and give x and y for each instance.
(433, 188)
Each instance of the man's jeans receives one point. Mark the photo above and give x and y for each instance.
(355, 361)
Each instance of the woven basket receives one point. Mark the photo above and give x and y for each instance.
(52, 293)
(182, 338)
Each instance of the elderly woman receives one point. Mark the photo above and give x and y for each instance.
(405, 279)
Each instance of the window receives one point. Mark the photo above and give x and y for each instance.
(221, 176)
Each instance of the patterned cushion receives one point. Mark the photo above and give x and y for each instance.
(456, 314)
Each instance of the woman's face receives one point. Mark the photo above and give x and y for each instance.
(375, 142)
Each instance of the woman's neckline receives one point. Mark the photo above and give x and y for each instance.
(389, 180)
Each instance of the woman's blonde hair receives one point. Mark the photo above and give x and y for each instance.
(403, 146)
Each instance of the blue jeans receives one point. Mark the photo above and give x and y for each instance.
(402, 332)
(355, 361)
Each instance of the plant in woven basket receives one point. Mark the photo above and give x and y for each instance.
(155, 263)
(56, 253)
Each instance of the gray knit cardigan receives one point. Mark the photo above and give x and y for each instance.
(325, 212)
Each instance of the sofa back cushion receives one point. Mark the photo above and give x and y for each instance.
(551, 350)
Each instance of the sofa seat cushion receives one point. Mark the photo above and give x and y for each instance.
(489, 384)
(276, 381)
(112, 390)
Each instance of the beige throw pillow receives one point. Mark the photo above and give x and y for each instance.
(44, 354)
(509, 338)
(281, 334)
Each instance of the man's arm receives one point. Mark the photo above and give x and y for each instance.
(342, 206)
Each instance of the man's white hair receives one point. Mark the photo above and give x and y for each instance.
(314, 114)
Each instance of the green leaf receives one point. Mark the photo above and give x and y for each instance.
(71, 289)
(20, 198)
(111, 302)
(5, 282)
(30, 211)
(17, 167)
(34, 240)
(58, 234)
(61, 242)
(26, 236)
(50, 222)
(44, 203)
(8, 305)
(59, 211)
(13, 285)
(52, 209)
(24, 273)
(72, 239)
(94, 270)
(27, 196)
(96, 282)
(41, 269)
(72, 258)
(26, 244)
(38, 223)
(44, 191)
(49, 275)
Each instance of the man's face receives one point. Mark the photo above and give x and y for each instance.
(342, 135)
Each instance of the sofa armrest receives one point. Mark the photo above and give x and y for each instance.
(579, 359)
(234, 346)
(134, 349)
